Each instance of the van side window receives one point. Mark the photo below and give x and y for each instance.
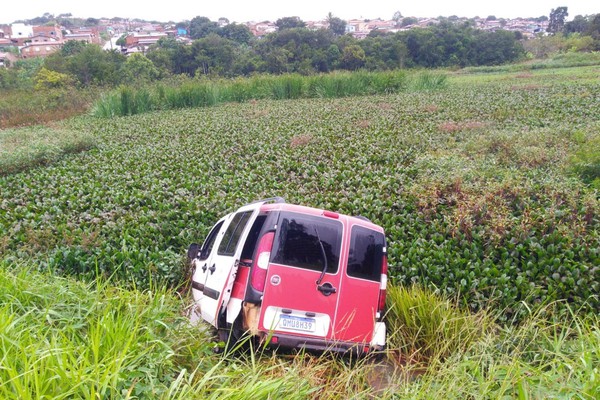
(297, 244)
(248, 251)
(209, 242)
(366, 253)
(233, 233)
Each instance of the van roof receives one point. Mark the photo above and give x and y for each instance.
(346, 219)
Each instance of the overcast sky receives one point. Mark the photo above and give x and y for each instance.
(259, 10)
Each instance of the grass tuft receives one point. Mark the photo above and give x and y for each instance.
(425, 327)
(24, 148)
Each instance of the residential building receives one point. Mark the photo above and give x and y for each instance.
(50, 32)
(7, 59)
(40, 48)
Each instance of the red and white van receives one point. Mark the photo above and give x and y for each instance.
(296, 276)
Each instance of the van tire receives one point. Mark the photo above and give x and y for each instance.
(234, 337)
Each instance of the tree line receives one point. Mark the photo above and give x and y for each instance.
(232, 50)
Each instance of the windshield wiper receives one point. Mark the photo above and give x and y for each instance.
(324, 255)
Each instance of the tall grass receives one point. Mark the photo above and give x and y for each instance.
(205, 93)
(24, 148)
(551, 355)
(60, 338)
(29, 107)
(64, 339)
(559, 60)
(426, 327)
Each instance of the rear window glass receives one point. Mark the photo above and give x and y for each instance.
(366, 253)
(233, 233)
(297, 244)
(209, 242)
(248, 250)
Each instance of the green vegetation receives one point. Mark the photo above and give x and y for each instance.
(21, 149)
(487, 190)
(194, 93)
(26, 106)
(483, 187)
(427, 328)
(551, 354)
(60, 337)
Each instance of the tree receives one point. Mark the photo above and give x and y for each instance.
(239, 33)
(353, 57)
(557, 19)
(593, 30)
(409, 21)
(48, 79)
(289, 23)
(72, 47)
(397, 18)
(215, 55)
(94, 66)
(139, 68)
(122, 41)
(494, 48)
(202, 27)
(336, 25)
(578, 25)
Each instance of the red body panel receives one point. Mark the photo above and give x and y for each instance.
(297, 291)
(239, 285)
(352, 309)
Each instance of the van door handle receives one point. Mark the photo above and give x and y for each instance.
(204, 268)
(212, 269)
(327, 289)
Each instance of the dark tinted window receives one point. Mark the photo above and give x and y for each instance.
(233, 233)
(366, 253)
(248, 251)
(209, 242)
(297, 243)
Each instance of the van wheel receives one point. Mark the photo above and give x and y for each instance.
(235, 338)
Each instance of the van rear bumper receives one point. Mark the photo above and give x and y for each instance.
(312, 344)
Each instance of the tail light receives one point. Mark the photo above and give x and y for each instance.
(261, 262)
(383, 285)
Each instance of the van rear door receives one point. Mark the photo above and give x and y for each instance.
(223, 264)
(362, 279)
(303, 277)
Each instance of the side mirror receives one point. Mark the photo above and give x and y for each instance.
(193, 252)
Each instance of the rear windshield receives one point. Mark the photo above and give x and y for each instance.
(297, 243)
(366, 253)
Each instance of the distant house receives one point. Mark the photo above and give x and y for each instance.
(5, 43)
(50, 32)
(90, 35)
(316, 25)
(7, 59)
(21, 31)
(40, 48)
(140, 42)
(260, 29)
(81, 37)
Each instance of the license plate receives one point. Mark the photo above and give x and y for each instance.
(297, 323)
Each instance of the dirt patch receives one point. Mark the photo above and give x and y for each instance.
(451, 127)
(301, 140)
(524, 75)
(391, 373)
